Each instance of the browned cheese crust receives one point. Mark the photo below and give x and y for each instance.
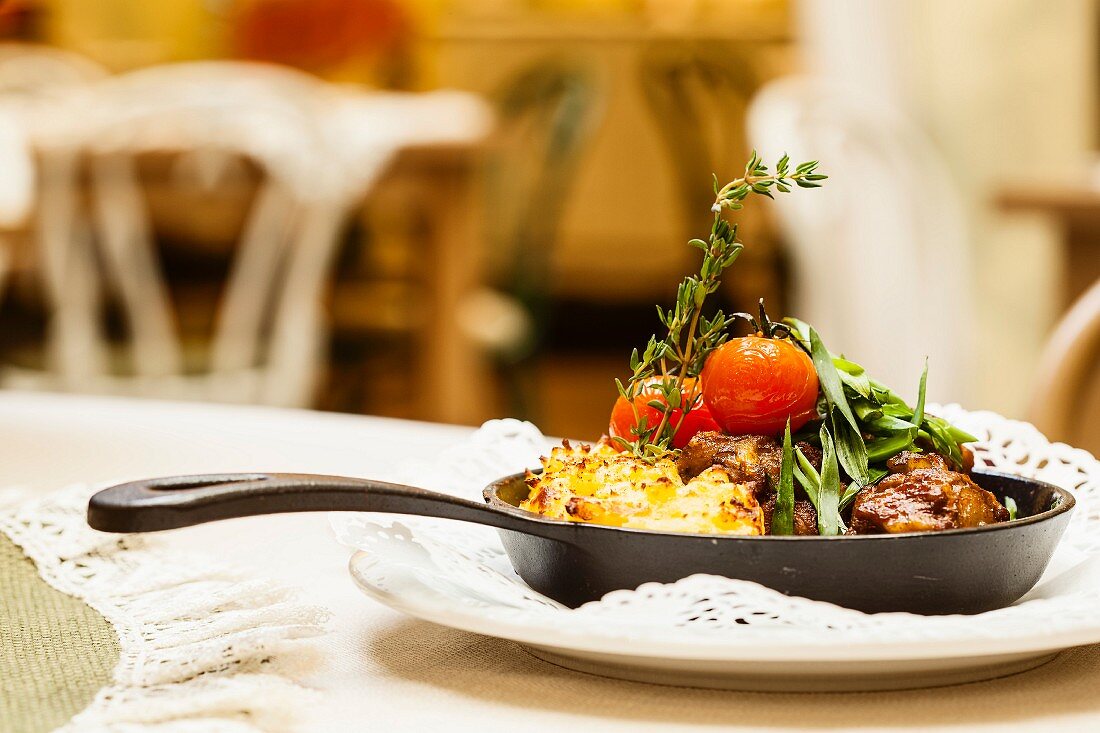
(600, 485)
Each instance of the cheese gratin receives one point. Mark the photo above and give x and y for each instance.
(596, 483)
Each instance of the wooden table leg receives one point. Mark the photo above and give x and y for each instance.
(456, 374)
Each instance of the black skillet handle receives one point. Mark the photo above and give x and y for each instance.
(182, 501)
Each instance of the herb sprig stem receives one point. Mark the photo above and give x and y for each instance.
(664, 367)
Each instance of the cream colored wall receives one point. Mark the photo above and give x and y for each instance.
(1005, 88)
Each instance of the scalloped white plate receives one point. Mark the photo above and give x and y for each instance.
(706, 631)
(761, 664)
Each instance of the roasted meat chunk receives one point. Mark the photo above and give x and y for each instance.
(920, 495)
(805, 516)
(908, 461)
(745, 457)
(754, 460)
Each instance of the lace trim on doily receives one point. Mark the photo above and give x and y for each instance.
(200, 642)
(442, 565)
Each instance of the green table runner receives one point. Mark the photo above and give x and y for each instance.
(56, 652)
(190, 639)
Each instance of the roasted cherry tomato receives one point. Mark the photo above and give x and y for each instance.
(697, 420)
(753, 384)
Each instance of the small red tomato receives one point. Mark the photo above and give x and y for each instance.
(697, 420)
(753, 384)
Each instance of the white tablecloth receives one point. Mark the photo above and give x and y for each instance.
(380, 671)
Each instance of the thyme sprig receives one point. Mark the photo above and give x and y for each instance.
(662, 369)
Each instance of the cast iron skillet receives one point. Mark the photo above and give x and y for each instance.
(954, 571)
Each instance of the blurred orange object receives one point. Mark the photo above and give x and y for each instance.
(17, 17)
(320, 35)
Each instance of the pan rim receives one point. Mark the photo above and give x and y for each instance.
(1067, 502)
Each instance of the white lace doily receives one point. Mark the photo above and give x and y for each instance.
(202, 645)
(443, 568)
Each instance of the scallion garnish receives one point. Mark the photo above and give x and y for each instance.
(783, 514)
(807, 476)
(918, 411)
(829, 521)
(882, 423)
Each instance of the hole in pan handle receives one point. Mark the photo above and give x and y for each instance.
(155, 504)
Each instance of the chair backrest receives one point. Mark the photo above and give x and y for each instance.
(265, 115)
(879, 254)
(30, 75)
(34, 81)
(1066, 398)
(31, 70)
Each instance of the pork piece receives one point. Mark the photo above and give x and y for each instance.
(922, 495)
(805, 516)
(747, 458)
(968, 458)
(908, 461)
(755, 460)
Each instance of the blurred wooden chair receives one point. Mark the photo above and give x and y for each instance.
(546, 116)
(699, 95)
(269, 327)
(1066, 399)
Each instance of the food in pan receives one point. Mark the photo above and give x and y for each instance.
(600, 484)
(764, 433)
(922, 494)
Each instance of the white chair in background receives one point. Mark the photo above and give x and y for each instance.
(320, 149)
(880, 254)
(30, 76)
(269, 327)
(35, 81)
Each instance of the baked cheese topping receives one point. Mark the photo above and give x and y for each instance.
(596, 483)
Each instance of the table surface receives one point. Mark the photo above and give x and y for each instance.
(379, 670)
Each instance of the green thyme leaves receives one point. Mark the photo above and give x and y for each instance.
(667, 362)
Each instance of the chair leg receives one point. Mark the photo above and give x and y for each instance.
(299, 333)
(248, 292)
(75, 342)
(131, 262)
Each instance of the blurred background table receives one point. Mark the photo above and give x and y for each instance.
(1075, 210)
(436, 189)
